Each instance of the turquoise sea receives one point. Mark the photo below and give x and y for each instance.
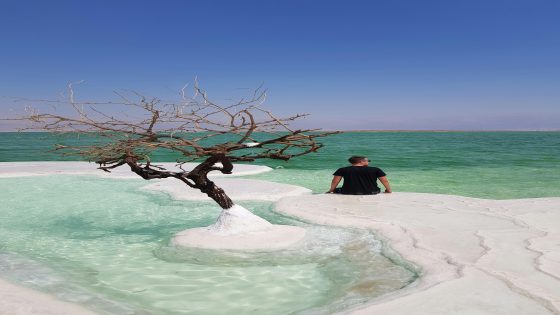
(495, 165)
(103, 243)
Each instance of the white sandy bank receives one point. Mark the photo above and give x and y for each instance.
(477, 256)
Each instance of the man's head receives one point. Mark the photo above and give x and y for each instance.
(358, 160)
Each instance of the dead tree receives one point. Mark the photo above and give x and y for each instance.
(135, 126)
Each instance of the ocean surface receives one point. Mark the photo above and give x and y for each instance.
(103, 243)
(493, 165)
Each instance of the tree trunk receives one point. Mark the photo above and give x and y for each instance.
(199, 175)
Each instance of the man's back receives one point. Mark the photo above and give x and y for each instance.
(359, 180)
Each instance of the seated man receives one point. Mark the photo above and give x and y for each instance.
(359, 178)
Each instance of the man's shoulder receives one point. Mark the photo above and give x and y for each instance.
(376, 170)
(341, 171)
(360, 169)
(354, 169)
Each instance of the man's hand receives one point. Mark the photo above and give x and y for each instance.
(334, 183)
(385, 183)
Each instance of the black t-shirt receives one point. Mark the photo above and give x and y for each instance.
(359, 180)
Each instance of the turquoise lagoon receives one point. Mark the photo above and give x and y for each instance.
(103, 243)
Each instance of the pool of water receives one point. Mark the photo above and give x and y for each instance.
(103, 243)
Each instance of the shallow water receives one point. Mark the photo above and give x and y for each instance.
(103, 243)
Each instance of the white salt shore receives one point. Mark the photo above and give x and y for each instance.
(20, 169)
(237, 189)
(476, 256)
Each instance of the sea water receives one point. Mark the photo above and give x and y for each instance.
(493, 165)
(103, 243)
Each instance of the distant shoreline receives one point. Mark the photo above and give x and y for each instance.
(365, 130)
(405, 130)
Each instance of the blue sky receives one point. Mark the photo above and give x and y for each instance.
(471, 65)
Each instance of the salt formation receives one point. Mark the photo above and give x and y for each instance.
(239, 229)
(237, 220)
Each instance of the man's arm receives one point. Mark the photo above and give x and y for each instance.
(334, 183)
(385, 183)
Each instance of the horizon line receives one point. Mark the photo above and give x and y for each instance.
(446, 130)
(367, 130)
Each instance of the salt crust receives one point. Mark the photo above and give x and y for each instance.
(477, 256)
(20, 169)
(238, 229)
(237, 189)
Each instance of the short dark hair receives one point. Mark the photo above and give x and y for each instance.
(356, 159)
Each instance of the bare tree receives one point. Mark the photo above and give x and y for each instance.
(135, 126)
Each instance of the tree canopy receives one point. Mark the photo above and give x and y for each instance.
(133, 126)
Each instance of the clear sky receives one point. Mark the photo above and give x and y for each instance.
(402, 64)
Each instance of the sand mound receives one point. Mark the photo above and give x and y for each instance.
(238, 229)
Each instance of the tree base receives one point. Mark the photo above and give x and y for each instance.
(238, 229)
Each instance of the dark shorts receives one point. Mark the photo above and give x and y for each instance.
(339, 191)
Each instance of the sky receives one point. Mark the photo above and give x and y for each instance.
(352, 65)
